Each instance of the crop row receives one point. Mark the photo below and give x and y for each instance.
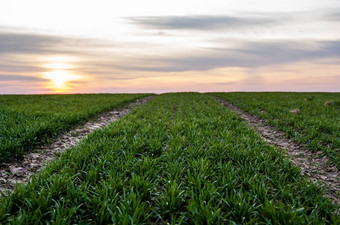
(30, 120)
(314, 121)
(178, 159)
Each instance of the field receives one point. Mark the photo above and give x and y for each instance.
(317, 126)
(178, 159)
(31, 120)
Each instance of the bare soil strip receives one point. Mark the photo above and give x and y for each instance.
(311, 163)
(21, 170)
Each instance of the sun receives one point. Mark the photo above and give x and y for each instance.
(60, 73)
(59, 78)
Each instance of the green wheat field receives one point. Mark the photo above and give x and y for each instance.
(180, 158)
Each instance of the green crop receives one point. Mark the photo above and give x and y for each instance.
(30, 120)
(178, 159)
(317, 126)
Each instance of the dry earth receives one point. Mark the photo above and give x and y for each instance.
(312, 164)
(21, 170)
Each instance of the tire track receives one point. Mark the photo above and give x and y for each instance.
(20, 171)
(311, 163)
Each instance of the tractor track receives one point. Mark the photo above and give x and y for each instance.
(312, 164)
(21, 170)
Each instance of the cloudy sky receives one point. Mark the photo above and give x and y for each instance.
(79, 46)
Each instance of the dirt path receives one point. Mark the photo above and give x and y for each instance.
(21, 170)
(311, 163)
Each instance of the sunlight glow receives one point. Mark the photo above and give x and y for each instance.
(59, 66)
(60, 77)
(61, 73)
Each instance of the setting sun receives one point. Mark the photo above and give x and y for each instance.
(59, 78)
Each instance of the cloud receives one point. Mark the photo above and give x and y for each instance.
(29, 43)
(20, 67)
(19, 78)
(249, 55)
(198, 22)
(26, 43)
(290, 51)
(27, 53)
(99, 61)
(334, 16)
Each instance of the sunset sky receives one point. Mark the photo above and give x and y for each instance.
(91, 46)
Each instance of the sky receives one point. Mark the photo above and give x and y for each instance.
(105, 46)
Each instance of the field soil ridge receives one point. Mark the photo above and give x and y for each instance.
(312, 164)
(21, 170)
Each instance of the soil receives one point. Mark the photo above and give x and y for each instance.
(21, 170)
(312, 164)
